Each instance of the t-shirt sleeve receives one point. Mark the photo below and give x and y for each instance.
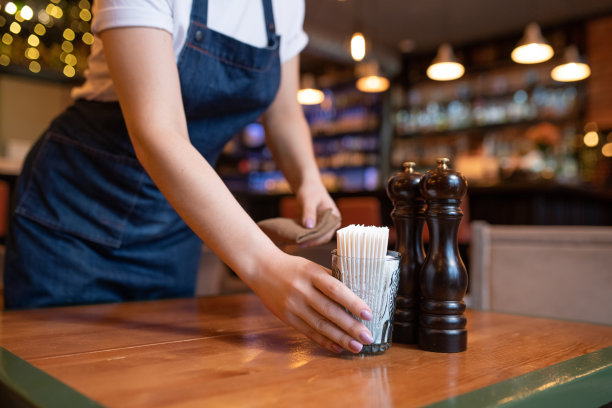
(293, 37)
(132, 13)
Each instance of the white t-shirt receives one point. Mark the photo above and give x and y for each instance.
(241, 19)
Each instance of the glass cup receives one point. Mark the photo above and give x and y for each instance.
(375, 280)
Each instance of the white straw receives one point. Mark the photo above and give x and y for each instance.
(362, 250)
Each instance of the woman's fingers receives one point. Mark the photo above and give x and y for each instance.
(336, 291)
(313, 335)
(334, 322)
(323, 239)
(324, 327)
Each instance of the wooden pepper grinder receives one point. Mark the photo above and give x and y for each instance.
(443, 277)
(409, 218)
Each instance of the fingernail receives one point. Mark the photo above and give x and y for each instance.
(355, 346)
(336, 348)
(366, 338)
(309, 223)
(366, 315)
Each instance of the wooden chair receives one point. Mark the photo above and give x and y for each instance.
(553, 271)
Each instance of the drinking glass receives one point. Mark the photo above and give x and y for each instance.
(375, 280)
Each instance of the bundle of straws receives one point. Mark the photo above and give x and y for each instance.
(362, 251)
(359, 241)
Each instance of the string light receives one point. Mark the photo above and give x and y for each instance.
(69, 71)
(7, 39)
(43, 17)
(15, 28)
(85, 15)
(606, 150)
(40, 29)
(70, 60)
(88, 38)
(54, 11)
(32, 53)
(34, 67)
(36, 52)
(33, 40)
(67, 46)
(69, 34)
(10, 8)
(26, 12)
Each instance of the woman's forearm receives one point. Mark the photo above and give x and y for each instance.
(200, 197)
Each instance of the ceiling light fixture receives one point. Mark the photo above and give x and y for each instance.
(532, 48)
(358, 46)
(369, 79)
(573, 69)
(309, 94)
(445, 66)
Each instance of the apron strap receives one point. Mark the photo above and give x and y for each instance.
(269, 16)
(201, 11)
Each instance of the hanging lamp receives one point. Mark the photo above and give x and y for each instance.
(573, 68)
(532, 48)
(369, 78)
(309, 94)
(358, 46)
(445, 66)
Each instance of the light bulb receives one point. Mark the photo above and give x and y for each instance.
(445, 67)
(372, 84)
(532, 48)
(358, 46)
(573, 69)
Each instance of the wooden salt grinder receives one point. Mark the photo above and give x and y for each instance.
(409, 218)
(443, 277)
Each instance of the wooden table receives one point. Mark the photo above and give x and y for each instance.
(230, 351)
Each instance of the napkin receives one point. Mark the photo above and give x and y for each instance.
(286, 230)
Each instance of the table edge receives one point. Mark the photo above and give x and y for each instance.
(550, 386)
(22, 384)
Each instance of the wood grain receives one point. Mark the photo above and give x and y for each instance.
(230, 351)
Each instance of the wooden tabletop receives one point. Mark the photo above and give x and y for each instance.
(230, 351)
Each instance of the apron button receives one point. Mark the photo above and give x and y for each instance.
(199, 36)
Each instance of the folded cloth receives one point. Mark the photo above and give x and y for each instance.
(285, 230)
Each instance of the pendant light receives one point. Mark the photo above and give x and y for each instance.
(358, 46)
(308, 94)
(532, 48)
(369, 78)
(573, 69)
(445, 66)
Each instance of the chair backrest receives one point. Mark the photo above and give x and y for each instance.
(359, 210)
(553, 271)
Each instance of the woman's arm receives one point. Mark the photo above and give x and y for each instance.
(299, 292)
(288, 138)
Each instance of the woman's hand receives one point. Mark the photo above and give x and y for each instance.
(313, 199)
(305, 296)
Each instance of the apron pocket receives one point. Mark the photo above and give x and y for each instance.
(82, 191)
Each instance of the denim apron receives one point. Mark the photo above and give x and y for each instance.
(89, 225)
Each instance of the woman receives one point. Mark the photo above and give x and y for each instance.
(115, 198)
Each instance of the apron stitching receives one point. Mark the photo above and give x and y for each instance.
(100, 239)
(194, 22)
(202, 50)
(96, 152)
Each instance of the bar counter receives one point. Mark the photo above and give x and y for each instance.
(230, 351)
